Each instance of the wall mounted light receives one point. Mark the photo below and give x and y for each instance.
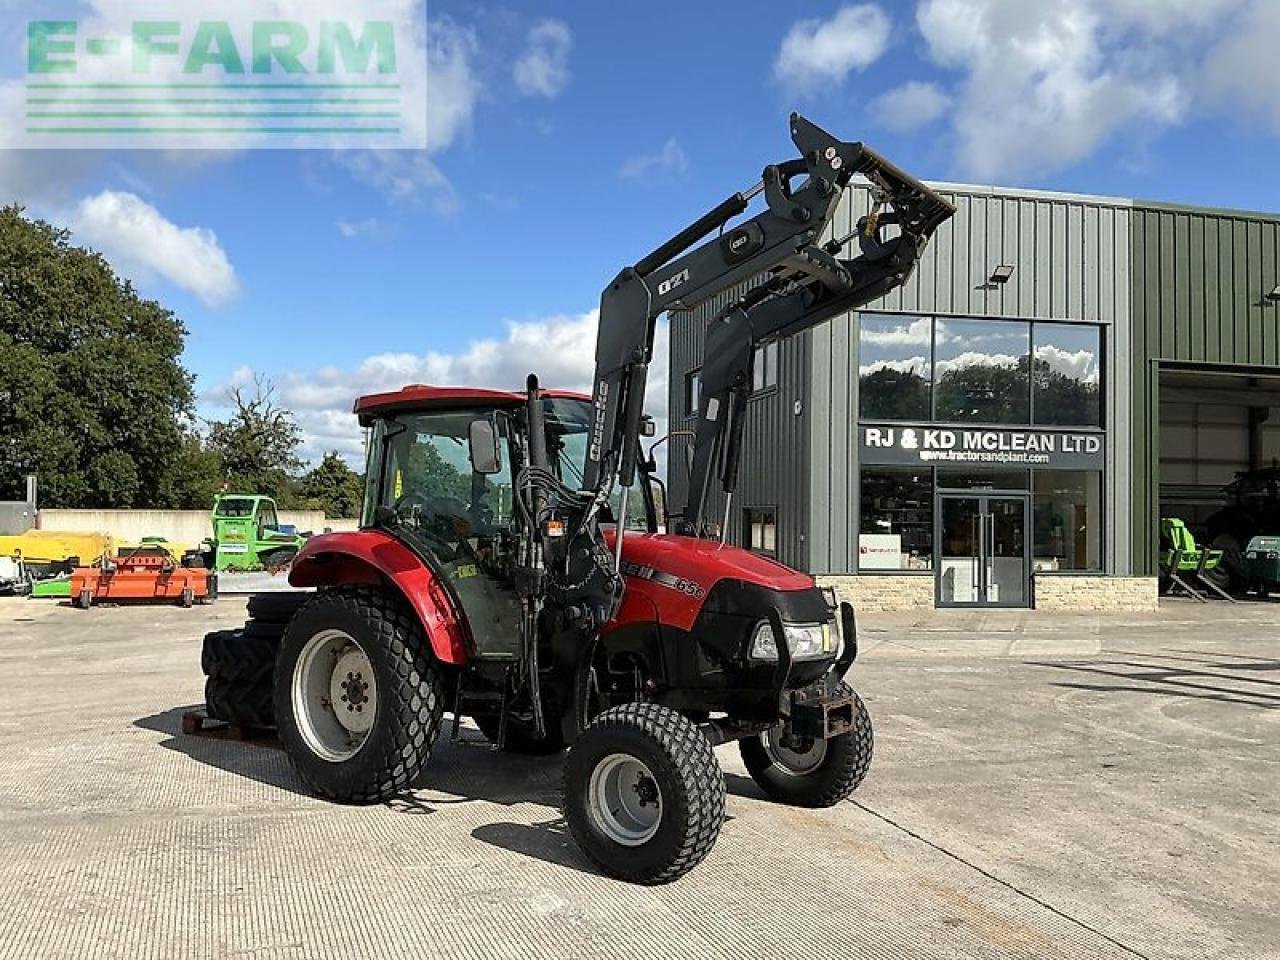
(1001, 274)
(1274, 295)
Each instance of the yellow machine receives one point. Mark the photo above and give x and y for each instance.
(47, 552)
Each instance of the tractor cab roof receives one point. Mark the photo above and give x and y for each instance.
(421, 396)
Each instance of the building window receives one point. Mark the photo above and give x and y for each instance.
(981, 371)
(1008, 372)
(1067, 375)
(896, 527)
(692, 392)
(895, 364)
(1066, 520)
(764, 367)
(761, 527)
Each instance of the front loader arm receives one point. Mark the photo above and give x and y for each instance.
(801, 282)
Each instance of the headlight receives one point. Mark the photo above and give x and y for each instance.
(806, 641)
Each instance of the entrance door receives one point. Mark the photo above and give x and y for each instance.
(984, 560)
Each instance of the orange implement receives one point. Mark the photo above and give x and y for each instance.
(149, 576)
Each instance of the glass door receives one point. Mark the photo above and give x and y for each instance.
(983, 557)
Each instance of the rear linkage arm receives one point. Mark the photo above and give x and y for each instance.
(800, 283)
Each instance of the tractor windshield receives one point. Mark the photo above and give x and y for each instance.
(567, 424)
(427, 480)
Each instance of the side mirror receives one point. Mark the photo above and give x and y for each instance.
(484, 448)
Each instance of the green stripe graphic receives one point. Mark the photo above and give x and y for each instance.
(272, 130)
(169, 101)
(213, 86)
(216, 114)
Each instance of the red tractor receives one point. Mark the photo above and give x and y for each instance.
(499, 575)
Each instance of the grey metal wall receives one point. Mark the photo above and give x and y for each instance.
(1200, 285)
(775, 441)
(1072, 263)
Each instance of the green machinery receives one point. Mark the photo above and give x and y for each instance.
(1182, 561)
(247, 535)
(1262, 564)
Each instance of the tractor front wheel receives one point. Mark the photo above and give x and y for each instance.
(811, 773)
(358, 698)
(644, 795)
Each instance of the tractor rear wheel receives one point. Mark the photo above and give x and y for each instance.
(812, 773)
(358, 697)
(644, 795)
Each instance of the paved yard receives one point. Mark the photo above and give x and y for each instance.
(1044, 786)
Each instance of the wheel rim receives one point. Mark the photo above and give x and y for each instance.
(790, 760)
(335, 696)
(624, 800)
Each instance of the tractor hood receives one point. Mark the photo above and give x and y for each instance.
(706, 562)
(679, 581)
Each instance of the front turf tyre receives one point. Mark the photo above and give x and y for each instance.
(644, 795)
(813, 773)
(358, 695)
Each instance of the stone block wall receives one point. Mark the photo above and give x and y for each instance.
(883, 591)
(915, 592)
(1096, 593)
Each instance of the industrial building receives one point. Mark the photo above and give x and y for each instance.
(1009, 427)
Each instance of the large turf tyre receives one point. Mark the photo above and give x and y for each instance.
(822, 775)
(643, 793)
(277, 607)
(521, 737)
(357, 647)
(239, 669)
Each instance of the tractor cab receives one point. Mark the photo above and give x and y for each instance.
(441, 472)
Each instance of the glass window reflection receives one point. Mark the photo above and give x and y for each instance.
(1067, 375)
(982, 368)
(894, 367)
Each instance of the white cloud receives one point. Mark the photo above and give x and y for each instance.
(1045, 83)
(910, 106)
(350, 229)
(816, 52)
(453, 91)
(559, 349)
(918, 365)
(452, 86)
(669, 163)
(918, 331)
(403, 176)
(140, 242)
(1077, 364)
(974, 358)
(1241, 73)
(543, 69)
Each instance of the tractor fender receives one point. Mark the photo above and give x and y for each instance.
(371, 556)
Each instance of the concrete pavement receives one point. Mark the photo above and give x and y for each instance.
(1082, 786)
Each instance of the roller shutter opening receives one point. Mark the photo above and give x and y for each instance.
(1220, 454)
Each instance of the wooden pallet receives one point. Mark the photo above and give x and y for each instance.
(195, 723)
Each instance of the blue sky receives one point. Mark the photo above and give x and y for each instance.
(569, 139)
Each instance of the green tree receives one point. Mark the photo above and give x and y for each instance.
(258, 444)
(92, 394)
(333, 487)
(196, 476)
